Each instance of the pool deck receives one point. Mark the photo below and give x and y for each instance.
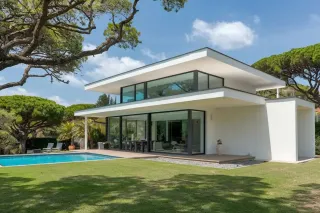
(204, 158)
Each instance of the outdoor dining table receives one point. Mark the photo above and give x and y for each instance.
(142, 143)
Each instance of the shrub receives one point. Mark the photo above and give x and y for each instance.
(8, 144)
(317, 145)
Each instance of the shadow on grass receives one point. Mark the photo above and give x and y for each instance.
(182, 193)
(308, 198)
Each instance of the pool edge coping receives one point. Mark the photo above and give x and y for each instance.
(114, 158)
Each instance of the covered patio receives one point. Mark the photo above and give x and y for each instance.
(174, 125)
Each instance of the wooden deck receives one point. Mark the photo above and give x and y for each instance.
(204, 158)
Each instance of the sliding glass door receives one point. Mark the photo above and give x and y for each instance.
(134, 132)
(181, 132)
(169, 132)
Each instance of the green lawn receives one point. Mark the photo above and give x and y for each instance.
(141, 186)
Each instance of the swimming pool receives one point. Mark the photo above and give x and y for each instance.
(23, 160)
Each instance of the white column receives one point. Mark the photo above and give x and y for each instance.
(278, 93)
(86, 133)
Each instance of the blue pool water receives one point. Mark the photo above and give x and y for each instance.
(22, 160)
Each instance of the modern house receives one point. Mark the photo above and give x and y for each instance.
(187, 103)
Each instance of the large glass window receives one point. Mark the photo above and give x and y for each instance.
(128, 94)
(134, 132)
(139, 92)
(215, 82)
(197, 132)
(169, 132)
(174, 85)
(114, 132)
(202, 81)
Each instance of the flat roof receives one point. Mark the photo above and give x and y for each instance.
(204, 59)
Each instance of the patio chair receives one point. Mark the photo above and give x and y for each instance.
(58, 147)
(49, 147)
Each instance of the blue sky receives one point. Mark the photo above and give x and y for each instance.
(246, 30)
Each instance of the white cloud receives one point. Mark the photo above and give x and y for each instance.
(314, 18)
(59, 100)
(88, 46)
(223, 35)
(105, 66)
(256, 19)
(154, 56)
(74, 81)
(16, 91)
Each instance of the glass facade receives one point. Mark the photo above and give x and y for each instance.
(181, 132)
(128, 94)
(215, 82)
(197, 132)
(172, 85)
(134, 132)
(169, 132)
(203, 81)
(139, 92)
(114, 132)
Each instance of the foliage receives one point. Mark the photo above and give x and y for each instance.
(76, 129)
(47, 35)
(295, 66)
(31, 115)
(47, 132)
(8, 143)
(284, 92)
(105, 100)
(70, 110)
(317, 135)
(66, 131)
(317, 144)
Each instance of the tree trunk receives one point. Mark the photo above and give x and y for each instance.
(23, 144)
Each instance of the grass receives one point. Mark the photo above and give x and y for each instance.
(140, 186)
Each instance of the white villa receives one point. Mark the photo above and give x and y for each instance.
(185, 104)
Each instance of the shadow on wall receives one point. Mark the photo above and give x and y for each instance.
(182, 193)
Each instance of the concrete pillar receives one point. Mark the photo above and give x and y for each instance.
(278, 93)
(86, 133)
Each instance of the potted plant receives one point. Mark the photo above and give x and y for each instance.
(66, 133)
(218, 147)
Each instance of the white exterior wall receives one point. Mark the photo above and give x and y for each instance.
(276, 131)
(282, 120)
(241, 129)
(306, 133)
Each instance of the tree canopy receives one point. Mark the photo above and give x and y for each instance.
(299, 67)
(48, 34)
(70, 110)
(31, 114)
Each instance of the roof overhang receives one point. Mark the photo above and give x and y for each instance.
(206, 60)
(216, 98)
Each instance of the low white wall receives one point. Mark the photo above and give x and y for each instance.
(306, 133)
